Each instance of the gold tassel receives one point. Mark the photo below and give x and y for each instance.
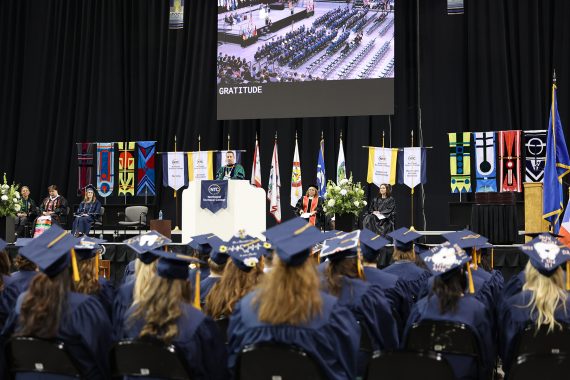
(471, 286)
(74, 266)
(97, 265)
(567, 275)
(197, 291)
(474, 259)
(492, 258)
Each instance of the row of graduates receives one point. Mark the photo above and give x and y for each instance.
(274, 291)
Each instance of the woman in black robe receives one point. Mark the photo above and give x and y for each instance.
(382, 212)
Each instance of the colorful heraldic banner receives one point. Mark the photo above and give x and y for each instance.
(535, 155)
(485, 166)
(460, 161)
(174, 173)
(510, 161)
(146, 151)
(214, 195)
(296, 178)
(221, 158)
(200, 166)
(85, 165)
(105, 168)
(126, 168)
(382, 166)
(412, 167)
(176, 19)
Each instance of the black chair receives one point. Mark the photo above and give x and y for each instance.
(147, 358)
(29, 354)
(134, 217)
(223, 324)
(276, 361)
(407, 365)
(98, 222)
(540, 366)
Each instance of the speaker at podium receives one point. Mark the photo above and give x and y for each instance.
(245, 210)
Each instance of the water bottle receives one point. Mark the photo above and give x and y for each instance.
(160, 215)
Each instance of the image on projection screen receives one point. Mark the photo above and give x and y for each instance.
(303, 58)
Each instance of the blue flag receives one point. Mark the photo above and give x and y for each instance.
(321, 176)
(556, 167)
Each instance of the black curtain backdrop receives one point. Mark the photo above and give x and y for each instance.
(110, 70)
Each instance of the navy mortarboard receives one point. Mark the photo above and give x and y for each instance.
(143, 244)
(341, 246)
(404, 238)
(466, 239)
(370, 244)
(205, 243)
(421, 249)
(90, 187)
(246, 254)
(547, 253)
(219, 255)
(51, 251)
(22, 242)
(444, 258)
(88, 247)
(282, 231)
(173, 265)
(298, 237)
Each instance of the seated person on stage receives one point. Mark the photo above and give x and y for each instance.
(543, 301)
(381, 213)
(310, 207)
(51, 210)
(87, 214)
(28, 211)
(450, 301)
(231, 170)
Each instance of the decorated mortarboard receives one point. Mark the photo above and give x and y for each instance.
(90, 187)
(3, 244)
(403, 238)
(22, 242)
(143, 244)
(173, 265)
(88, 247)
(421, 249)
(444, 258)
(341, 246)
(297, 240)
(50, 251)
(546, 253)
(466, 239)
(370, 244)
(245, 253)
(205, 243)
(535, 234)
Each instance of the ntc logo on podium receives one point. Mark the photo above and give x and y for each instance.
(214, 189)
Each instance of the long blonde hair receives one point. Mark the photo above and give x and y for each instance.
(548, 294)
(143, 275)
(161, 306)
(88, 281)
(233, 285)
(289, 295)
(400, 255)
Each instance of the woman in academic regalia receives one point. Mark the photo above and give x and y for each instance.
(17, 284)
(449, 301)
(165, 313)
(404, 263)
(543, 300)
(289, 308)
(344, 278)
(311, 204)
(90, 283)
(88, 213)
(381, 212)
(49, 309)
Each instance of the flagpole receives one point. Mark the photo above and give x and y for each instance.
(412, 189)
(383, 139)
(176, 194)
(125, 166)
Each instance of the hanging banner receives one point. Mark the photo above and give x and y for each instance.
(126, 168)
(535, 155)
(200, 166)
(105, 168)
(412, 167)
(85, 166)
(176, 19)
(485, 166)
(382, 166)
(214, 195)
(460, 161)
(174, 173)
(146, 151)
(296, 178)
(510, 161)
(340, 164)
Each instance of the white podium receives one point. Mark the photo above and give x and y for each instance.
(246, 210)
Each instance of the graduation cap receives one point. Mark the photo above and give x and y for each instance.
(297, 237)
(246, 254)
(205, 243)
(3, 244)
(341, 246)
(219, 257)
(173, 265)
(143, 244)
(421, 249)
(370, 244)
(51, 252)
(404, 238)
(90, 187)
(547, 253)
(444, 258)
(88, 247)
(535, 234)
(22, 242)
(466, 239)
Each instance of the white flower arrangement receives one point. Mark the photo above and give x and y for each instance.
(10, 199)
(345, 197)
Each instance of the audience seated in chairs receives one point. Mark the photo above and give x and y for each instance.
(88, 213)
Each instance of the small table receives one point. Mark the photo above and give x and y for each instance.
(163, 227)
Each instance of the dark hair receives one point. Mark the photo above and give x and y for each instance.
(388, 189)
(52, 187)
(335, 270)
(23, 264)
(449, 288)
(485, 262)
(230, 151)
(43, 304)
(4, 267)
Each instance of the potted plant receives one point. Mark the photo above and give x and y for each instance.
(10, 204)
(344, 201)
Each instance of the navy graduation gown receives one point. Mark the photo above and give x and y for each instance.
(199, 343)
(514, 285)
(411, 275)
(106, 295)
(86, 331)
(18, 283)
(129, 271)
(515, 317)
(470, 312)
(331, 338)
(122, 302)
